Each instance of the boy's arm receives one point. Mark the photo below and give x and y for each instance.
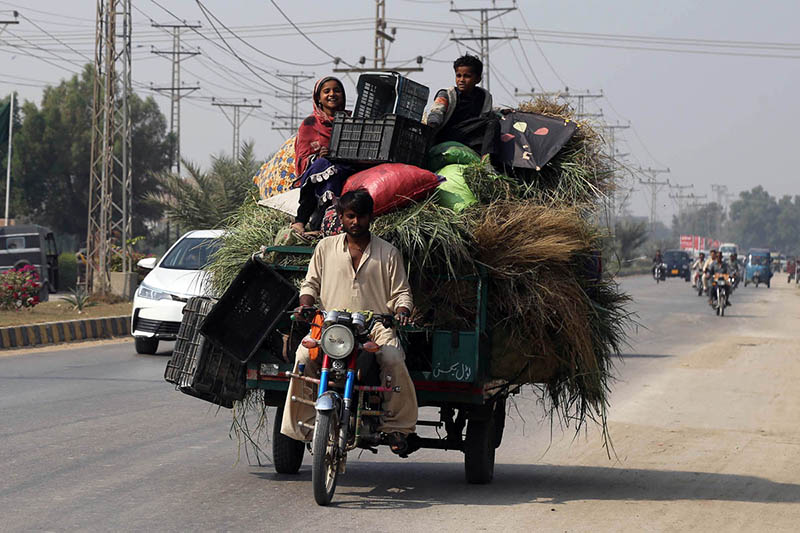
(438, 109)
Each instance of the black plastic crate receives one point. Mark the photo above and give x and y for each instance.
(200, 369)
(384, 93)
(249, 310)
(390, 139)
(211, 375)
(183, 344)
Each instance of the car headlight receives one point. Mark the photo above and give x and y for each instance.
(338, 341)
(145, 291)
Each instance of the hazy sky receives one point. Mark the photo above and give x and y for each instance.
(710, 117)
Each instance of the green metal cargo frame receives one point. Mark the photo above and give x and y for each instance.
(459, 358)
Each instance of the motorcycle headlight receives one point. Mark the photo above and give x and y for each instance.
(145, 291)
(337, 341)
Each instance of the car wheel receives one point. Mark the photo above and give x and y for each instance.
(146, 345)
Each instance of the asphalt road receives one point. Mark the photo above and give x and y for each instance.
(703, 423)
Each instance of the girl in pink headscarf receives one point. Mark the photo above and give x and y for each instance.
(320, 180)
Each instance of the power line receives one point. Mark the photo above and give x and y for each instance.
(47, 12)
(232, 51)
(56, 38)
(227, 48)
(46, 60)
(525, 21)
(296, 63)
(307, 38)
(670, 50)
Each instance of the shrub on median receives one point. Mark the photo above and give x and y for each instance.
(19, 288)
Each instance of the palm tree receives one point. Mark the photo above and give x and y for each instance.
(203, 200)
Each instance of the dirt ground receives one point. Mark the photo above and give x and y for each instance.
(710, 443)
(58, 310)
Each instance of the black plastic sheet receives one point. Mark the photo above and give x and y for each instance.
(530, 140)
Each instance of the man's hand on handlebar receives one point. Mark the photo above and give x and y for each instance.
(402, 316)
(306, 310)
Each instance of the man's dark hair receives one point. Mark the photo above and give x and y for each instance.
(469, 61)
(359, 201)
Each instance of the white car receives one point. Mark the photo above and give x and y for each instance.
(159, 300)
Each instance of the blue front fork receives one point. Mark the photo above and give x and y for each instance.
(344, 416)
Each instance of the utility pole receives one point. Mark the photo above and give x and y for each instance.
(719, 191)
(380, 35)
(110, 190)
(235, 118)
(4, 23)
(176, 88)
(655, 187)
(679, 196)
(295, 98)
(486, 14)
(612, 139)
(624, 199)
(380, 50)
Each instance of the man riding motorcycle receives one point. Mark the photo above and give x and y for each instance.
(710, 261)
(697, 267)
(718, 267)
(735, 271)
(657, 260)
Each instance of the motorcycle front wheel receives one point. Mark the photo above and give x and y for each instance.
(325, 447)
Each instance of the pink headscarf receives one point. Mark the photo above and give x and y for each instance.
(315, 131)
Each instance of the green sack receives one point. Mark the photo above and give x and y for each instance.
(454, 192)
(451, 153)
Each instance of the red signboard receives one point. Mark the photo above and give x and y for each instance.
(686, 242)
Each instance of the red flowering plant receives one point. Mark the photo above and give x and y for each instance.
(19, 288)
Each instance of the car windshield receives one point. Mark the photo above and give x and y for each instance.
(758, 260)
(676, 257)
(190, 254)
(727, 249)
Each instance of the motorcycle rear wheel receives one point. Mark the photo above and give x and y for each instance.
(325, 447)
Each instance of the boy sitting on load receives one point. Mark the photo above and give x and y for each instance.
(464, 113)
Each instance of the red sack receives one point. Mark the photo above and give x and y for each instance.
(393, 185)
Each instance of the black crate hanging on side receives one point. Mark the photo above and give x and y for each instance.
(249, 310)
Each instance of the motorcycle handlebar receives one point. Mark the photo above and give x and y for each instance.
(306, 313)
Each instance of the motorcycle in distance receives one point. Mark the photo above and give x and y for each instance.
(698, 281)
(349, 392)
(660, 272)
(720, 285)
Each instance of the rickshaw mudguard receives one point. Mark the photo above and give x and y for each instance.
(329, 401)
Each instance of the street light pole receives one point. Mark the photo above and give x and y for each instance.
(8, 156)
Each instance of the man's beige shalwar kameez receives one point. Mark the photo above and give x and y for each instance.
(380, 285)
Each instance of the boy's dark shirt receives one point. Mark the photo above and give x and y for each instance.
(467, 106)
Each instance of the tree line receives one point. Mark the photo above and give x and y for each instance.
(756, 219)
(51, 159)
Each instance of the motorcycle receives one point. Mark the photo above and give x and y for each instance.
(349, 393)
(719, 287)
(660, 272)
(734, 280)
(698, 281)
